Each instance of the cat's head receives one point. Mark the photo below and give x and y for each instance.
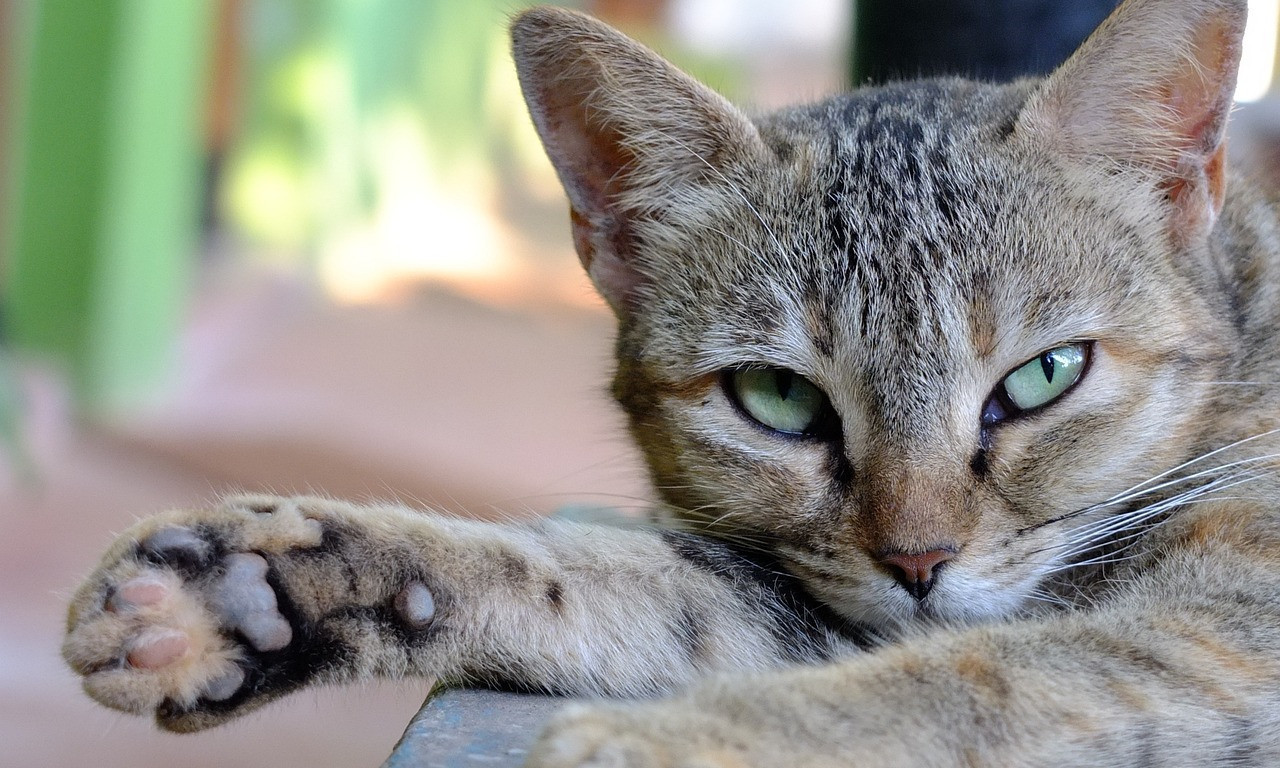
(908, 333)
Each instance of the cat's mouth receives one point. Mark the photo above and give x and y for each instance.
(866, 593)
(944, 606)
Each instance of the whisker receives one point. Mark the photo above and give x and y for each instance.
(1137, 491)
(1204, 456)
(1135, 527)
(1077, 545)
(1193, 476)
(1051, 599)
(1106, 523)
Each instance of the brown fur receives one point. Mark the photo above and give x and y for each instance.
(1110, 596)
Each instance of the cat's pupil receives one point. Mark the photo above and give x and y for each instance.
(1046, 364)
(783, 379)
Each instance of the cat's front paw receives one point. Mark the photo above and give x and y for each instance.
(181, 619)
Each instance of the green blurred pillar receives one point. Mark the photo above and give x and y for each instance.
(103, 213)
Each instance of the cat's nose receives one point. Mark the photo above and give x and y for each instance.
(917, 572)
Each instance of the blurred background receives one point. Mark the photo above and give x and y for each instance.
(314, 246)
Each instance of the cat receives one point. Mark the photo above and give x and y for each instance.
(960, 400)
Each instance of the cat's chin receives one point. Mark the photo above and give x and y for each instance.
(892, 613)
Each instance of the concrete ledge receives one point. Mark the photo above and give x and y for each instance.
(471, 728)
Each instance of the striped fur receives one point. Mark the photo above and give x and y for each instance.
(1112, 593)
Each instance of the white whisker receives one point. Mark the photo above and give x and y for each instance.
(1120, 533)
(1202, 457)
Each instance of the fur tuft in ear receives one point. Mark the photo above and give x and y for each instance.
(628, 134)
(1151, 89)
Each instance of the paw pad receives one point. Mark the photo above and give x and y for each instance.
(141, 591)
(158, 648)
(415, 605)
(177, 547)
(244, 600)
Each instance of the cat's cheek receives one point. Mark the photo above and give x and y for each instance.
(1113, 431)
(769, 482)
(976, 596)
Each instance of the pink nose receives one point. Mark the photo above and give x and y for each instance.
(916, 573)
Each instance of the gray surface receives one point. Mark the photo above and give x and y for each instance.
(470, 729)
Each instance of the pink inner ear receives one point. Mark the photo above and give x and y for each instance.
(588, 154)
(623, 129)
(592, 162)
(1199, 100)
(602, 240)
(1199, 96)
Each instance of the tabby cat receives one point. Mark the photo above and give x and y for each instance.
(960, 401)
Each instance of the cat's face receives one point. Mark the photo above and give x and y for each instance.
(906, 265)
(920, 321)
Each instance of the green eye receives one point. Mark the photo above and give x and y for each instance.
(779, 399)
(1040, 381)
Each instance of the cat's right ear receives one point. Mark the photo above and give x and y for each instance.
(629, 136)
(1150, 91)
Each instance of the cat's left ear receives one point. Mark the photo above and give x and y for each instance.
(1150, 91)
(631, 137)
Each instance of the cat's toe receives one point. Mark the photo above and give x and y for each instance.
(586, 737)
(158, 647)
(139, 592)
(178, 547)
(173, 622)
(151, 641)
(663, 735)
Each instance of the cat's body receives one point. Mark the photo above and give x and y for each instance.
(961, 394)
